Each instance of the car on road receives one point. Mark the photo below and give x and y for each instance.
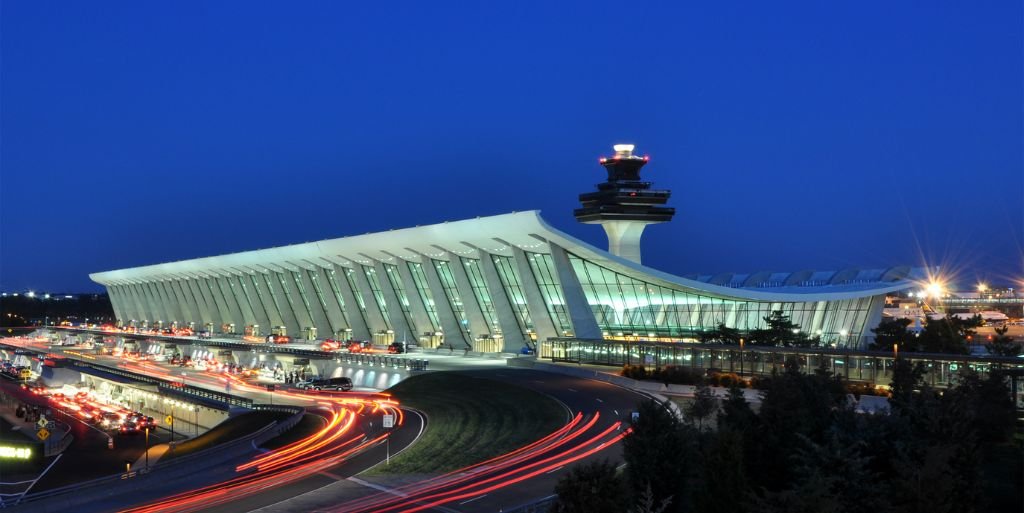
(308, 384)
(330, 345)
(396, 348)
(343, 384)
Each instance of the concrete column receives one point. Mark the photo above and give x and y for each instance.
(624, 238)
(335, 315)
(174, 306)
(223, 312)
(291, 321)
(453, 332)
(140, 306)
(534, 299)
(416, 307)
(395, 313)
(513, 335)
(477, 322)
(244, 306)
(355, 316)
(202, 284)
(205, 312)
(301, 312)
(221, 285)
(116, 301)
(159, 310)
(584, 323)
(269, 305)
(256, 305)
(323, 325)
(374, 316)
(188, 303)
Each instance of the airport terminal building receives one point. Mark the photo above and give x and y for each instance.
(496, 284)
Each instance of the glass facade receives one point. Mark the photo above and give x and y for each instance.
(514, 292)
(451, 291)
(378, 295)
(332, 280)
(625, 306)
(483, 296)
(544, 272)
(395, 279)
(420, 280)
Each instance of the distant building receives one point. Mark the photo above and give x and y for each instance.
(496, 284)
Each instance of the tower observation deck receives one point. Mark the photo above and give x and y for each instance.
(624, 205)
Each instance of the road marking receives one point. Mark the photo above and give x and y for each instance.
(377, 487)
(473, 499)
(616, 412)
(572, 390)
(554, 470)
(598, 400)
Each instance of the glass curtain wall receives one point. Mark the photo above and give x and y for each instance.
(403, 299)
(378, 295)
(544, 272)
(625, 306)
(509, 277)
(314, 278)
(350, 275)
(483, 296)
(332, 281)
(444, 272)
(420, 279)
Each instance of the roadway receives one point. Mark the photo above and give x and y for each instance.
(599, 415)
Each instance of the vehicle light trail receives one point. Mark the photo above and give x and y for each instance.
(551, 442)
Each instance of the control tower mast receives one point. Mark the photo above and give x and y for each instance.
(624, 205)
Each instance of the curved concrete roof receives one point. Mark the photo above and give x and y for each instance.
(498, 234)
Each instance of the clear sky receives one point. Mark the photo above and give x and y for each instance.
(793, 135)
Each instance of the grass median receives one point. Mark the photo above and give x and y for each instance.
(469, 420)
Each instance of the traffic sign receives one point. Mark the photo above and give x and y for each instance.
(51, 425)
(389, 421)
(169, 420)
(43, 434)
(41, 422)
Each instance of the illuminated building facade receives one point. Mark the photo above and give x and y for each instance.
(490, 284)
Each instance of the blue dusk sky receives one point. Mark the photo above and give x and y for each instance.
(794, 135)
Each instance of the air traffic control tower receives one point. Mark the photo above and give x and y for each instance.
(624, 205)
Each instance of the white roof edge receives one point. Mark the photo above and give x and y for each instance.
(502, 226)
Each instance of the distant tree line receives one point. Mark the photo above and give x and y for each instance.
(26, 310)
(807, 450)
(950, 334)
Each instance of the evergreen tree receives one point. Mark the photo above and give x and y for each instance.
(659, 455)
(735, 412)
(703, 406)
(722, 334)
(591, 488)
(780, 331)
(1003, 344)
(723, 484)
(889, 332)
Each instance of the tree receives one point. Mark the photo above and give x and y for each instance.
(722, 334)
(781, 331)
(724, 486)
(591, 487)
(659, 455)
(735, 413)
(703, 406)
(889, 332)
(950, 334)
(1003, 344)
